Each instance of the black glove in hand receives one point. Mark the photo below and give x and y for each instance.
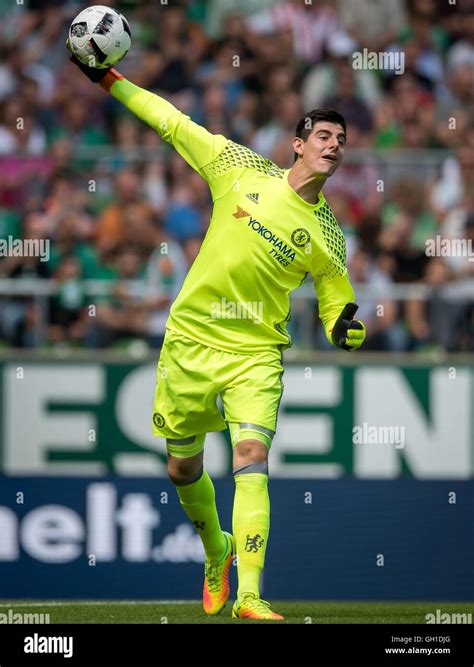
(94, 74)
(348, 334)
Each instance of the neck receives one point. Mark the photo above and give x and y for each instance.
(307, 185)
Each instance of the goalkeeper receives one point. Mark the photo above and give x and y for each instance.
(226, 331)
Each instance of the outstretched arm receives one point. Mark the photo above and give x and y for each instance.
(196, 145)
(218, 160)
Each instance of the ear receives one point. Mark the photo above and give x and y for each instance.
(298, 144)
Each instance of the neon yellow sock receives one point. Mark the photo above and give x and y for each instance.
(198, 500)
(251, 524)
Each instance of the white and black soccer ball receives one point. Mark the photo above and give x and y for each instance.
(99, 36)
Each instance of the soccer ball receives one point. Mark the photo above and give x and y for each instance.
(99, 37)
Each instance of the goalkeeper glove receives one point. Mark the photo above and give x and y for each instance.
(92, 73)
(347, 333)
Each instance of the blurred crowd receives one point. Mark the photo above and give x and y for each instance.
(123, 210)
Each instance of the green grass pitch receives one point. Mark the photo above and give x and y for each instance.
(140, 611)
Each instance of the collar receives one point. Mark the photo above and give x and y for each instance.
(299, 200)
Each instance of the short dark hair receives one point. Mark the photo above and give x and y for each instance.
(308, 121)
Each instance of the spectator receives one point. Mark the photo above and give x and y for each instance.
(118, 315)
(67, 241)
(74, 124)
(408, 199)
(345, 99)
(459, 226)
(68, 319)
(373, 25)
(110, 233)
(322, 80)
(457, 177)
(280, 128)
(424, 42)
(165, 273)
(167, 66)
(228, 65)
(312, 26)
(21, 317)
(19, 131)
(462, 53)
(441, 319)
(218, 12)
(378, 314)
(456, 93)
(404, 262)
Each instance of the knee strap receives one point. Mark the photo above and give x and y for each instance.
(239, 432)
(260, 467)
(186, 447)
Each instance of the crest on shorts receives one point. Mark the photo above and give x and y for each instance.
(158, 420)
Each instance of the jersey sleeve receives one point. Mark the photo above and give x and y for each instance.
(333, 294)
(220, 161)
(329, 271)
(192, 141)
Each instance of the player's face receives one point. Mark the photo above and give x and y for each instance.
(324, 149)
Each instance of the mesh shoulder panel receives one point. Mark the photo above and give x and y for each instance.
(335, 243)
(235, 156)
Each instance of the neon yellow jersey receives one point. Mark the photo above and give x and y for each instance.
(262, 241)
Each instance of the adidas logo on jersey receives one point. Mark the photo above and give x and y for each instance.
(254, 197)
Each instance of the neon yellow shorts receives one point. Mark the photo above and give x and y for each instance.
(191, 376)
